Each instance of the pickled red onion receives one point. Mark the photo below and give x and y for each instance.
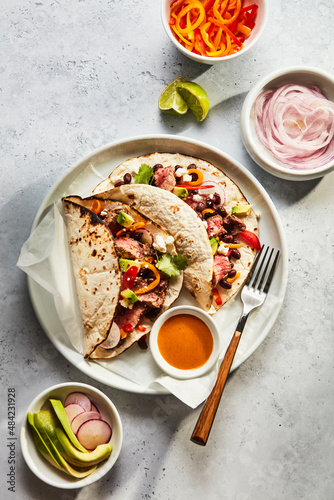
(296, 124)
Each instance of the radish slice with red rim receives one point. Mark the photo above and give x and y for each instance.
(114, 336)
(94, 408)
(83, 417)
(217, 189)
(79, 398)
(144, 235)
(94, 432)
(72, 410)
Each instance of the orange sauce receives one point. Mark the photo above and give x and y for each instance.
(185, 342)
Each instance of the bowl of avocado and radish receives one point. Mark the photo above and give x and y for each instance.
(71, 435)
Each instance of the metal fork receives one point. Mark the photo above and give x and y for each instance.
(253, 295)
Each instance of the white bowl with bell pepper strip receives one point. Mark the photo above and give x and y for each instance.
(214, 31)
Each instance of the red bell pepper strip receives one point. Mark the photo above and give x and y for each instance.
(129, 277)
(231, 35)
(128, 328)
(251, 239)
(217, 297)
(200, 40)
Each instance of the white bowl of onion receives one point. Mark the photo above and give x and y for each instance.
(287, 123)
(85, 406)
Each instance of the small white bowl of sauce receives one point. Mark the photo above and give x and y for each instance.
(185, 342)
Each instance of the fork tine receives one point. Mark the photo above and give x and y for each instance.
(258, 271)
(265, 269)
(271, 273)
(252, 271)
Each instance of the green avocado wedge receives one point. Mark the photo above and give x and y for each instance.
(60, 412)
(48, 449)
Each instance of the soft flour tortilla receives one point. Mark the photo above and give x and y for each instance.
(174, 283)
(186, 227)
(96, 272)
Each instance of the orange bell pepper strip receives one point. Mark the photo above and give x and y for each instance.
(194, 5)
(150, 286)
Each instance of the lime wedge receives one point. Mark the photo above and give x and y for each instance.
(195, 97)
(170, 101)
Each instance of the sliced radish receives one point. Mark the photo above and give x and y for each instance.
(83, 417)
(94, 408)
(72, 410)
(94, 432)
(114, 336)
(144, 235)
(79, 398)
(218, 188)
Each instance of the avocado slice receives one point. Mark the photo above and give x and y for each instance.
(125, 264)
(124, 219)
(129, 295)
(60, 412)
(45, 425)
(75, 457)
(180, 192)
(214, 245)
(41, 445)
(241, 210)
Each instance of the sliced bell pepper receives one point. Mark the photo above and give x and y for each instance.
(150, 286)
(217, 298)
(129, 277)
(251, 239)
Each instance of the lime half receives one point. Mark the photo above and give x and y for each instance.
(195, 97)
(170, 101)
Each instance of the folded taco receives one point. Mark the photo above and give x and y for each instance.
(228, 233)
(126, 269)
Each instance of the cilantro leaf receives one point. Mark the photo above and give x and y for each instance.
(145, 174)
(171, 266)
(180, 261)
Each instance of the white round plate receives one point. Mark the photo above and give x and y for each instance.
(104, 160)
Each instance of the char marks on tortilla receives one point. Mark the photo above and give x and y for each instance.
(96, 272)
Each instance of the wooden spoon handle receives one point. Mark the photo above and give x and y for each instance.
(204, 423)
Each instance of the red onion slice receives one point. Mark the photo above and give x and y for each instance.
(218, 188)
(296, 124)
(144, 235)
(113, 338)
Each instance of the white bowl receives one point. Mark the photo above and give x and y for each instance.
(260, 154)
(162, 363)
(261, 21)
(40, 466)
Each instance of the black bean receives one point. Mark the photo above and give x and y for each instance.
(218, 199)
(235, 253)
(225, 284)
(119, 183)
(200, 207)
(209, 203)
(127, 178)
(232, 273)
(194, 191)
(156, 166)
(194, 177)
(150, 280)
(222, 212)
(228, 238)
(192, 165)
